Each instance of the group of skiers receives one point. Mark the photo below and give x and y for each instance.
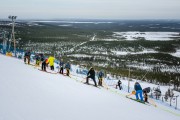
(91, 74)
(45, 62)
(40, 58)
(139, 92)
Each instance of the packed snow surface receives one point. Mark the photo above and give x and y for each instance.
(29, 94)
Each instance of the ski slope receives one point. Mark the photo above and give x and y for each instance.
(29, 94)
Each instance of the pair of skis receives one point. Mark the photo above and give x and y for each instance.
(142, 102)
(91, 85)
(47, 71)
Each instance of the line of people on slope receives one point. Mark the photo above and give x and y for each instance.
(90, 74)
(45, 62)
(67, 66)
(139, 92)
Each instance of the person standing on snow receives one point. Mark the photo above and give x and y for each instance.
(145, 96)
(43, 65)
(68, 67)
(100, 78)
(38, 57)
(61, 64)
(119, 85)
(139, 92)
(51, 62)
(91, 74)
(27, 56)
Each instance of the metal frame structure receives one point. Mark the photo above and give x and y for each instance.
(13, 18)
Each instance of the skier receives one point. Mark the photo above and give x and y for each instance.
(61, 64)
(37, 59)
(166, 96)
(145, 96)
(119, 84)
(51, 62)
(68, 67)
(43, 65)
(91, 74)
(100, 78)
(157, 92)
(138, 90)
(27, 56)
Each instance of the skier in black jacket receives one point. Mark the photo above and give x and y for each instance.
(91, 74)
(43, 65)
(119, 84)
(27, 56)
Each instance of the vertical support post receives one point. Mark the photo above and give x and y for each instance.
(129, 81)
(13, 35)
(170, 100)
(176, 101)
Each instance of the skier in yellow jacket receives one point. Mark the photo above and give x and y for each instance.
(51, 62)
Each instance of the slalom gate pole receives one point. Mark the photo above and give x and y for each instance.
(176, 101)
(104, 84)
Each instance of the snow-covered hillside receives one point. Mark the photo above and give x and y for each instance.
(29, 94)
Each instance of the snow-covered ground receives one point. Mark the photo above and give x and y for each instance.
(153, 36)
(80, 55)
(29, 94)
(176, 54)
(111, 82)
(142, 52)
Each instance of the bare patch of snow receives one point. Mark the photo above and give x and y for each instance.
(176, 54)
(126, 52)
(80, 55)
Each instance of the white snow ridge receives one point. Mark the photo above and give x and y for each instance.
(29, 94)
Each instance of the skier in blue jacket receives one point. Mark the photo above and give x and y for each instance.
(139, 91)
(100, 78)
(68, 67)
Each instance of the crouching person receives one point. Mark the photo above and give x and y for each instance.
(139, 91)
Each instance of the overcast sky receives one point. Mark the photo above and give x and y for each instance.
(92, 9)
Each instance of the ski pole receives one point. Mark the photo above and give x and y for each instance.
(153, 103)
